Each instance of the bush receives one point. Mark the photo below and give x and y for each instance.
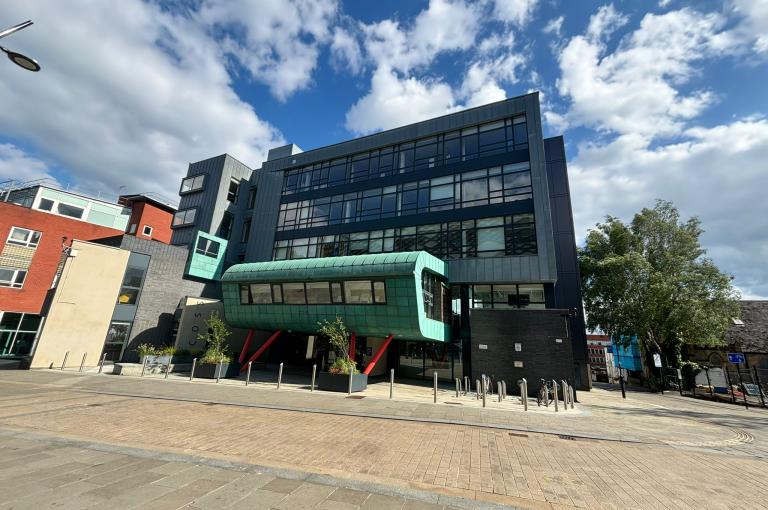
(343, 366)
(217, 350)
(146, 350)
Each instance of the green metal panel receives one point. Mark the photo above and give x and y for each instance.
(203, 266)
(402, 315)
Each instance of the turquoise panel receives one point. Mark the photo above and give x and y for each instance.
(401, 316)
(204, 266)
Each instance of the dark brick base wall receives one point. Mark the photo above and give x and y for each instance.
(537, 332)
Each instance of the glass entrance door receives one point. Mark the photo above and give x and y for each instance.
(17, 333)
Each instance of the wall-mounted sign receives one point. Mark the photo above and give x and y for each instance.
(657, 360)
(483, 347)
(518, 364)
(558, 340)
(736, 357)
(518, 347)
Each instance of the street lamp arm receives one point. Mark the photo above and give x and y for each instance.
(16, 28)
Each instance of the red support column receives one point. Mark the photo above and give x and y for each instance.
(378, 355)
(263, 348)
(246, 346)
(352, 339)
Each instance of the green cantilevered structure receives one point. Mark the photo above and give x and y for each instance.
(399, 294)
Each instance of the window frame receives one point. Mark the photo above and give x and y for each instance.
(28, 243)
(206, 251)
(185, 223)
(144, 230)
(14, 282)
(193, 189)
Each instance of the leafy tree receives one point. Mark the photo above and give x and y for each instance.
(651, 278)
(217, 350)
(338, 337)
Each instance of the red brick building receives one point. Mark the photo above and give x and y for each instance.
(150, 218)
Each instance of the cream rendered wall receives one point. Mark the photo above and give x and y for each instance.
(82, 306)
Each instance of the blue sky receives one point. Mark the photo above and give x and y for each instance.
(662, 99)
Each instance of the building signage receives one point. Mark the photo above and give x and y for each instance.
(483, 347)
(518, 364)
(736, 357)
(518, 347)
(657, 360)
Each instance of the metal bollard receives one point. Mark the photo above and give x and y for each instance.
(82, 363)
(349, 389)
(218, 373)
(504, 389)
(554, 388)
(279, 376)
(312, 385)
(144, 367)
(477, 389)
(483, 394)
(524, 393)
(434, 378)
(565, 393)
(391, 382)
(498, 384)
(101, 364)
(458, 387)
(167, 369)
(192, 372)
(248, 373)
(466, 384)
(64, 363)
(570, 395)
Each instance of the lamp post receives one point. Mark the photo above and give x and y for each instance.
(20, 60)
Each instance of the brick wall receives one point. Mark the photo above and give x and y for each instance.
(31, 297)
(537, 332)
(144, 213)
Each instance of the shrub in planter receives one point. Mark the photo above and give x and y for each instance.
(337, 376)
(217, 351)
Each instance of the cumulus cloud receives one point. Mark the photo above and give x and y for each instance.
(636, 88)
(716, 173)
(345, 51)
(126, 97)
(754, 25)
(18, 166)
(518, 12)
(278, 41)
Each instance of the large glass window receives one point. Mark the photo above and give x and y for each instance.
(508, 296)
(232, 192)
(485, 237)
(12, 277)
(192, 183)
(184, 217)
(24, 237)
(17, 333)
(486, 186)
(358, 292)
(293, 294)
(261, 293)
(208, 247)
(132, 281)
(72, 211)
(245, 295)
(318, 293)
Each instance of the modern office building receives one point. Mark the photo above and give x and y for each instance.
(481, 191)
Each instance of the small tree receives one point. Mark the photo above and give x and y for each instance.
(338, 337)
(217, 350)
(652, 278)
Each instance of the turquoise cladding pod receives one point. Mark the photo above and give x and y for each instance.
(205, 266)
(402, 315)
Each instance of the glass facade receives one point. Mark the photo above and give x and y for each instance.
(351, 292)
(484, 237)
(18, 332)
(507, 296)
(495, 185)
(465, 145)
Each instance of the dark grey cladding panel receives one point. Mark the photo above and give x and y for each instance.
(486, 113)
(528, 268)
(264, 215)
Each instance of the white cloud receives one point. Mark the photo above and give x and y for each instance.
(754, 26)
(518, 12)
(125, 96)
(636, 88)
(717, 173)
(393, 102)
(16, 165)
(278, 41)
(345, 51)
(554, 26)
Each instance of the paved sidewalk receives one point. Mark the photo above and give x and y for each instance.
(39, 472)
(481, 463)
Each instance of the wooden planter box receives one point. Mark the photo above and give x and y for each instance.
(333, 382)
(209, 371)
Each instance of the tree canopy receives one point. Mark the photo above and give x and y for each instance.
(652, 278)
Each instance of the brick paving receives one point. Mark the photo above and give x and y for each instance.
(475, 462)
